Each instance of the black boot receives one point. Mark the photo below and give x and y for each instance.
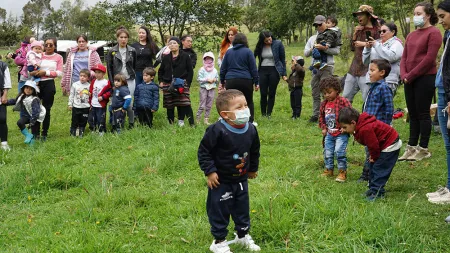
(364, 175)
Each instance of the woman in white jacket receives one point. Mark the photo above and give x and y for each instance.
(388, 47)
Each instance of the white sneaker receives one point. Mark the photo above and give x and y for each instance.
(409, 152)
(420, 154)
(441, 191)
(5, 147)
(181, 123)
(247, 242)
(254, 123)
(442, 199)
(220, 247)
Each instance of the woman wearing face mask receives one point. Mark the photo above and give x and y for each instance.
(272, 65)
(176, 66)
(388, 47)
(226, 44)
(81, 56)
(146, 50)
(442, 195)
(418, 72)
(121, 59)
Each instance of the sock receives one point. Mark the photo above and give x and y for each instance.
(241, 235)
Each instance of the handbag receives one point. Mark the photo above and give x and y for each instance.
(176, 86)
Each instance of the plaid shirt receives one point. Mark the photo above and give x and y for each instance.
(340, 102)
(379, 102)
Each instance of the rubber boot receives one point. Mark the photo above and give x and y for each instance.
(28, 136)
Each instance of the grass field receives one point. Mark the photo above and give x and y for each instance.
(143, 191)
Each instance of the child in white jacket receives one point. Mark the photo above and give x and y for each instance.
(208, 78)
(79, 103)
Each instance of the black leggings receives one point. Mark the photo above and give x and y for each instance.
(183, 111)
(21, 123)
(246, 87)
(268, 83)
(418, 95)
(47, 96)
(3, 125)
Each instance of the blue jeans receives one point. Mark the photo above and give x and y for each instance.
(443, 117)
(97, 119)
(139, 78)
(336, 145)
(381, 170)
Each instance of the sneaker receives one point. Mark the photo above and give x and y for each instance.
(247, 242)
(44, 138)
(327, 173)
(254, 123)
(5, 147)
(181, 123)
(220, 247)
(372, 197)
(323, 65)
(421, 153)
(316, 64)
(441, 191)
(342, 176)
(442, 199)
(206, 121)
(447, 219)
(313, 119)
(409, 151)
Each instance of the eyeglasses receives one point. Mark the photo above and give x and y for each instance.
(383, 31)
(48, 45)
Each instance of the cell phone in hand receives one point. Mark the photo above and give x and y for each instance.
(368, 35)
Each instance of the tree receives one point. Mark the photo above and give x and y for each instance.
(53, 25)
(2, 14)
(9, 31)
(34, 13)
(252, 14)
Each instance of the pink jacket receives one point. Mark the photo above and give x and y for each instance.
(21, 58)
(94, 59)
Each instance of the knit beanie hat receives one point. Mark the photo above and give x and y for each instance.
(174, 38)
(37, 43)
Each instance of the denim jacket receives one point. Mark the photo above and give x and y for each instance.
(279, 56)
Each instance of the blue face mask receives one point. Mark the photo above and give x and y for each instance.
(419, 21)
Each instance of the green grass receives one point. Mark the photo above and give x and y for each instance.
(143, 191)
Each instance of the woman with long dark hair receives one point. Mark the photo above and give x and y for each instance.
(238, 71)
(121, 59)
(146, 50)
(418, 72)
(272, 65)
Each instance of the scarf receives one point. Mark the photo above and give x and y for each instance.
(208, 64)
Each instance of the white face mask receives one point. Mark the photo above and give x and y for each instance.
(419, 21)
(242, 116)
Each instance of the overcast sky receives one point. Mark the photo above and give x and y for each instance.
(15, 6)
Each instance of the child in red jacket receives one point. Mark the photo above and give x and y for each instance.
(382, 141)
(99, 93)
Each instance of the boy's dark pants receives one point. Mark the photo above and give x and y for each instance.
(118, 121)
(225, 200)
(296, 101)
(145, 116)
(21, 123)
(381, 170)
(79, 118)
(97, 119)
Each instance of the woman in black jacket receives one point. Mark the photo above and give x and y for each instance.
(121, 59)
(176, 66)
(272, 65)
(146, 50)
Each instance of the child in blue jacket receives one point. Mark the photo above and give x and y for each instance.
(146, 98)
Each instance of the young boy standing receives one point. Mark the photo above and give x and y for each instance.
(379, 101)
(295, 83)
(79, 103)
(335, 142)
(382, 141)
(229, 155)
(146, 98)
(99, 91)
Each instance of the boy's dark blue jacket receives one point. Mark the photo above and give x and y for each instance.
(146, 96)
(239, 62)
(279, 56)
(230, 152)
(379, 102)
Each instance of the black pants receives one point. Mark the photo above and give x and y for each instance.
(97, 119)
(246, 87)
(47, 96)
(79, 118)
(381, 170)
(145, 117)
(225, 200)
(118, 120)
(268, 83)
(296, 101)
(186, 112)
(21, 123)
(3, 124)
(418, 95)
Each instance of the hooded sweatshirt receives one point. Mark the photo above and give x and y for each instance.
(239, 62)
(374, 134)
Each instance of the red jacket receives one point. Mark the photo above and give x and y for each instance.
(105, 93)
(374, 134)
(340, 102)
